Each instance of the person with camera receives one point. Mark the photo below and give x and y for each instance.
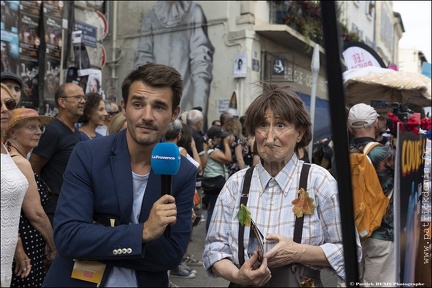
(218, 155)
(382, 136)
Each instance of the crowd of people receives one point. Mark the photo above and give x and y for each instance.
(79, 194)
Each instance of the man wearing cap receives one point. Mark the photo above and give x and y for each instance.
(378, 263)
(14, 83)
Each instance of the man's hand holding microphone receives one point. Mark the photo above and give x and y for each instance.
(165, 161)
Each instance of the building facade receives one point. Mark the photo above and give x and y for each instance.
(252, 33)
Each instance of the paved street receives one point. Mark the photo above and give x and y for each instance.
(202, 280)
(196, 247)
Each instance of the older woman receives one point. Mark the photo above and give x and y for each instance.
(25, 130)
(93, 116)
(13, 188)
(280, 124)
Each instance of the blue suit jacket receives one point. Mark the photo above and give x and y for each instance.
(98, 186)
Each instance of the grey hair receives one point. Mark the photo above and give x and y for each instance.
(173, 129)
(193, 117)
(108, 107)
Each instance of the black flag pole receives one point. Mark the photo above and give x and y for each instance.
(340, 139)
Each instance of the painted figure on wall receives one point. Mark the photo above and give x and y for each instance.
(174, 33)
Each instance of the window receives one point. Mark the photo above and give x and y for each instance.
(370, 8)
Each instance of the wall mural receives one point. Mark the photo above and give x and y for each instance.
(174, 33)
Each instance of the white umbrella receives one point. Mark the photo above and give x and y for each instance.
(365, 84)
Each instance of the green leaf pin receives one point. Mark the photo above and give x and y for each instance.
(244, 215)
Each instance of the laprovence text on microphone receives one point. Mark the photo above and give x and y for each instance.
(157, 157)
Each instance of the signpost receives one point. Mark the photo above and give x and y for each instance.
(340, 139)
(315, 66)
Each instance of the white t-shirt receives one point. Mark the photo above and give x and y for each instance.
(125, 277)
(192, 160)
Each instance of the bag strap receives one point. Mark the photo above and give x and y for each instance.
(390, 194)
(369, 146)
(298, 228)
(243, 200)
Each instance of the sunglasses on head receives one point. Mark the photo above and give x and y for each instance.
(9, 103)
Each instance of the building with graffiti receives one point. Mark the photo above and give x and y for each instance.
(221, 48)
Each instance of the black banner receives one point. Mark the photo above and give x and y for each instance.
(411, 149)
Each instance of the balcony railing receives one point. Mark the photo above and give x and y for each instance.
(305, 17)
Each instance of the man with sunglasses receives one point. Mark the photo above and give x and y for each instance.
(50, 158)
(14, 83)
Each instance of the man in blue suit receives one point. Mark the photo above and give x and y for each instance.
(111, 217)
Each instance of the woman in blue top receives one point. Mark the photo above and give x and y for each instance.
(93, 116)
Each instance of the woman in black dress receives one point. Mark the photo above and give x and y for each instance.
(34, 246)
(35, 230)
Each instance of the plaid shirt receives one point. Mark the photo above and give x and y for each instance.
(270, 206)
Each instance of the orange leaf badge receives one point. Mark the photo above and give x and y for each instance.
(308, 283)
(303, 204)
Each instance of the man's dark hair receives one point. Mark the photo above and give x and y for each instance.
(214, 122)
(224, 117)
(60, 92)
(155, 75)
(199, 108)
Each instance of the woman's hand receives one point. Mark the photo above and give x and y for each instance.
(286, 251)
(210, 143)
(229, 139)
(193, 143)
(22, 261)
(248, 276)
(50, 254)
(283, 253)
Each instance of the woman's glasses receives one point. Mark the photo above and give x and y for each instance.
(9, 103)
(36, 128)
